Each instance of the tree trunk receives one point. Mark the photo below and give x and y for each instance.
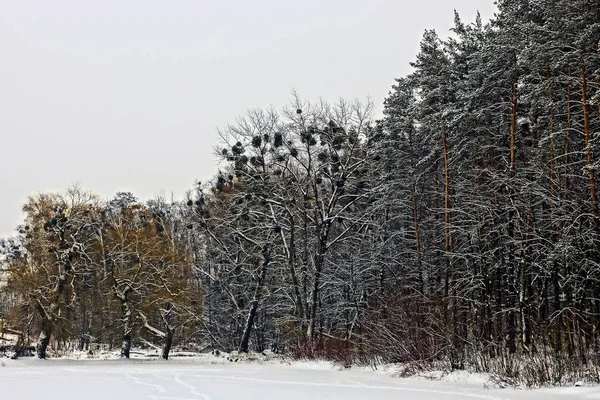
(417, 237)
(553, 170)
(255, 301)
(166, 336)
(449, 301)
(47, 316)
(319, 259)
(44, 338)
(558, 342)
(126, 345)
(168, 343)
(291, 250)
(567, 148)
(513, 129)
(126, 316)
(447, 237)
(511, 284)
(588, 145)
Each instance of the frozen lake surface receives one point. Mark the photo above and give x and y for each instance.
(190, 380)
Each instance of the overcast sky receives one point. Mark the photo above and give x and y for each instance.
(124, 95)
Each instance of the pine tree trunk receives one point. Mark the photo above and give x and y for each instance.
(512, 267)
(417, 237)
(567, 147)
(447, 235)
(384, 239)
(513, 130)
(558, 342)
(447, 242)
(588, 145)
(554, 175)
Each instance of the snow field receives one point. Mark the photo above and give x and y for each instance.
(205, 379)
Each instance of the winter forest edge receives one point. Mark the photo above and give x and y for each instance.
(461, 229)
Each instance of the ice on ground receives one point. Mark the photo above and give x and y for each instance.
(188, 379)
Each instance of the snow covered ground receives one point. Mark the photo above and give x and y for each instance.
(192, 379)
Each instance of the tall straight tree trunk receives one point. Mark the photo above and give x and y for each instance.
(417, 236)
(553, 171)
(588, 145)
(386, 216)
(565, 195)
(324, 229)
(305, 255)
(255, 301)
(558, 342)
(512, 268)
(448, 238)
(450, 298)
(513, 130)
(567, 147)
(291, 256)
(319, 259)
(447, 234)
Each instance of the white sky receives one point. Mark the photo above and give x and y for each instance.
(127, 95)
